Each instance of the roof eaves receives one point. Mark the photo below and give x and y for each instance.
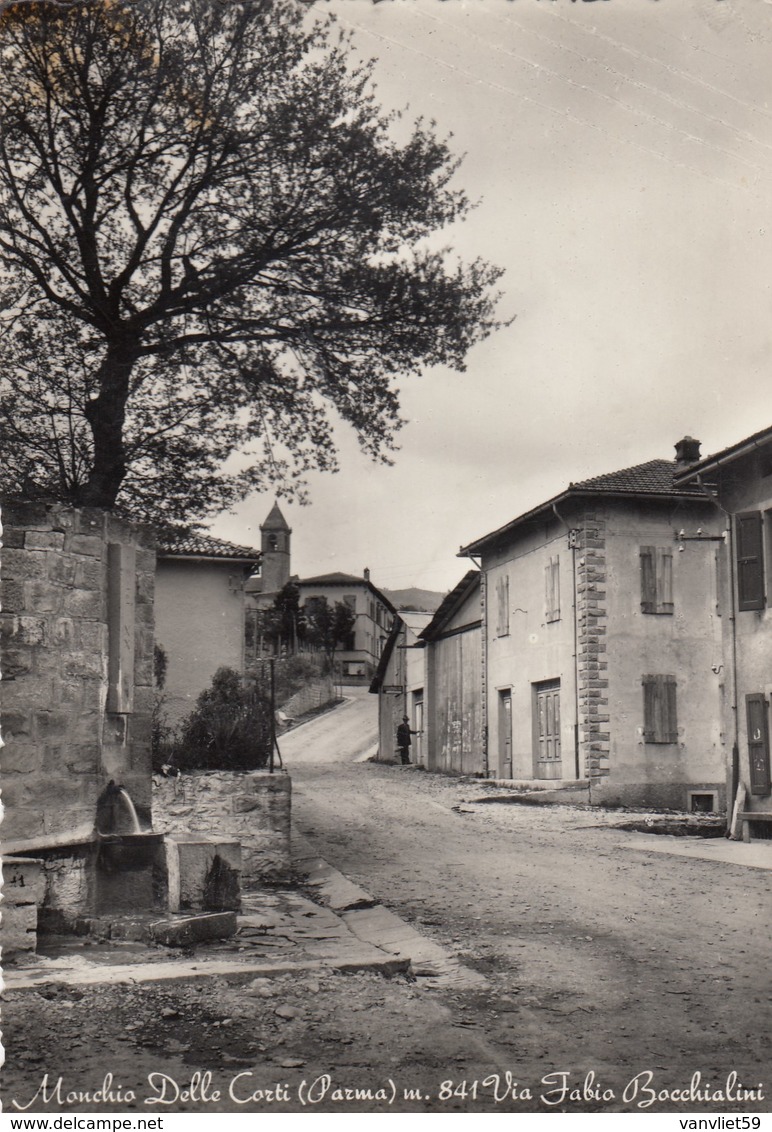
(450, 605)
(726, 455)
(572, 492)
(194, 556)
(385, 657)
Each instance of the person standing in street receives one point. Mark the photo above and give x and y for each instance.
(404, 741)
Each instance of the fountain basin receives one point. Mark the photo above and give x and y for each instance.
(130, 870)
(126, 852)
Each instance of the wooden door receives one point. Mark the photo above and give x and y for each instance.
(547, 758)
(758, 744)
(418, 725)
(505, 733)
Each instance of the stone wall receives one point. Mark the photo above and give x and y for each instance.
(312, 696)
(253, 808)
(77, 666)
(592, 662)
(23, 892)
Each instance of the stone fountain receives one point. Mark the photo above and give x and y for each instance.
(77, 637)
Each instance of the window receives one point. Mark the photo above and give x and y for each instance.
(502, 606)
(552, 589)
(656, 579)
(660, 722)
(750, 560)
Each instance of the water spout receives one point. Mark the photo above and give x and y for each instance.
(116, 812)
(126, 798)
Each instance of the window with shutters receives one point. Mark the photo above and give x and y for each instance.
(502, 606)
(660, 721)
(552, 588)
(750, 560)
(656, 579)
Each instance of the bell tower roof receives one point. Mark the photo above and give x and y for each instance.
(275, 521)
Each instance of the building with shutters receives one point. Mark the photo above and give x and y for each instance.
(601, 639)
(739, 480)
(373, 616)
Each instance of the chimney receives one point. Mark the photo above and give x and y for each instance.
(687, 451)
(367, 574)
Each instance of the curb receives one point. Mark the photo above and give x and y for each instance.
(173, 971)
(374, 924)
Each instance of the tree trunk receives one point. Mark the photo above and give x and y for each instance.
(106, 414)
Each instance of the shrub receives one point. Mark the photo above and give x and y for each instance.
(229, 728)
(163, 735)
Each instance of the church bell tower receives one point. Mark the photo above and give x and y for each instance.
(275, 546)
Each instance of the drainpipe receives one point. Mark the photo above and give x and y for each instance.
(483, 664)
(729, 517)
(576, 646)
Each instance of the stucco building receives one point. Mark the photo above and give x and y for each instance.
(399, 684)
(738, 481)
(602, 628)
(452, 643)
(200, 614)
(373, 614)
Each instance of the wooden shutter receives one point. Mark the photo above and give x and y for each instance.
(552, 589)
(664, 579)
(758, 743)
(750, 560)
(656, 579)
(648, 579)
(660, 720)
(502, 604)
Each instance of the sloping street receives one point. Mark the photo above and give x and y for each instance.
(603, 956)
(338, 736)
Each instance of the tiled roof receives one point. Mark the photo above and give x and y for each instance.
(205, 546)
(336, 578)
(655, 477)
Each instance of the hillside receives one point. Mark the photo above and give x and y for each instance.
(414, 598)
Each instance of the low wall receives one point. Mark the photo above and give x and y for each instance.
(252, 808)
(313, 696)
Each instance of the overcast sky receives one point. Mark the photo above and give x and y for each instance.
(621, 154)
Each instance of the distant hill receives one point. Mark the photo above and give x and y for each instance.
(413, 598)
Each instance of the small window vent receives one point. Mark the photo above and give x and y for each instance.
(703, 802)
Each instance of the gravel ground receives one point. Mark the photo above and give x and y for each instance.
(617, 979)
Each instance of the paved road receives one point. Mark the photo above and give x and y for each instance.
(341, 735)
(603, 958)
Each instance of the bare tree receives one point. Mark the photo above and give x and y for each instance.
(209, 237)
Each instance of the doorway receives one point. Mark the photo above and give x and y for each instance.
(505, 733)
(547, 757)
(418, 725)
